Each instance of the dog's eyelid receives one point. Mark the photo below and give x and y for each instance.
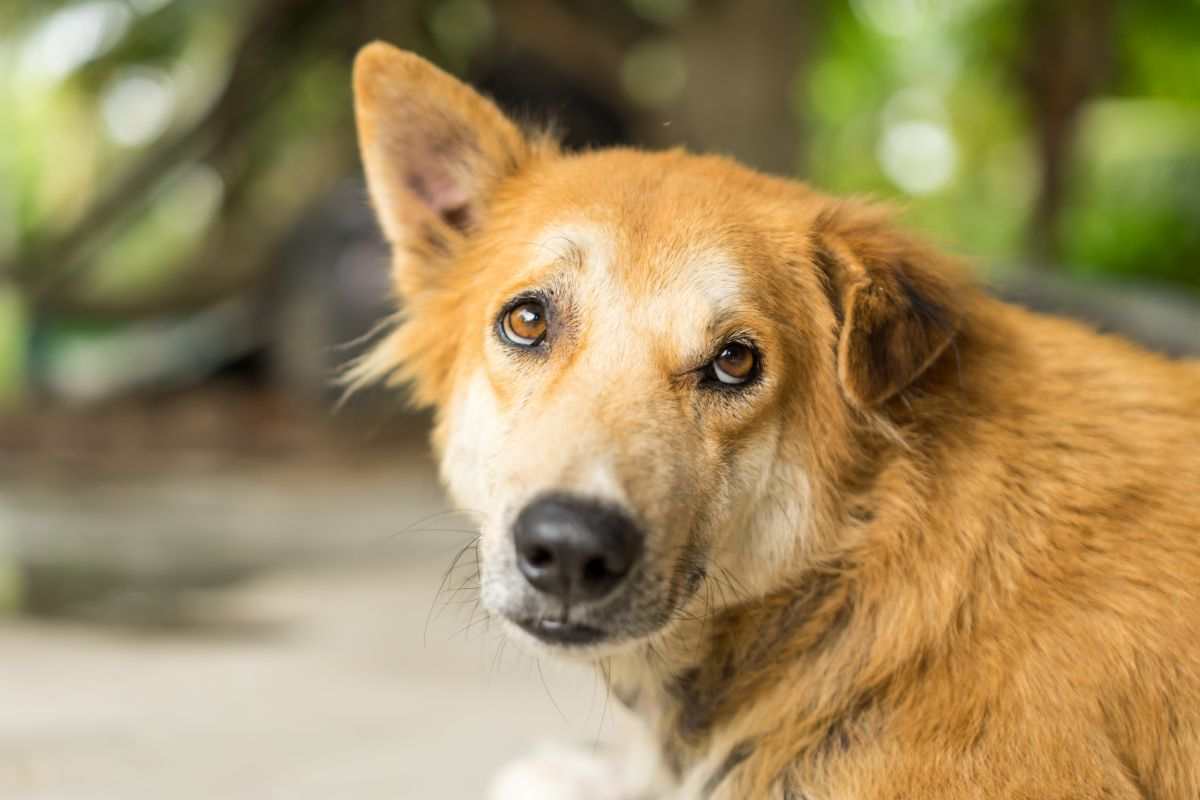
(739, 336)
(525, 296)
(702, 361)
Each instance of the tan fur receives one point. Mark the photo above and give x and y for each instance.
(951, 549)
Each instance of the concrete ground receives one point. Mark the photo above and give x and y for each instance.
(314, 684)
(316, 677)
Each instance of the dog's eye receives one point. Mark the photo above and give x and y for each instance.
(735, 364)
(524, 324)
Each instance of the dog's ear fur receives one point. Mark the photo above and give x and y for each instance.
(433, 150)
(896, 302)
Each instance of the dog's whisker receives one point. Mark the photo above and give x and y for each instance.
(473, 622)
(468, 565)
(417, 523)
(605, 668)
(457, 603)
(469, 583)
(413, 531)
(737, 582)
(442, 585)
(541, 676)
(496, 662)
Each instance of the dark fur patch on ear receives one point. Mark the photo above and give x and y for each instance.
(926, 309)
(892, 336)
(896, 312)
(883, 368)
(828, 273)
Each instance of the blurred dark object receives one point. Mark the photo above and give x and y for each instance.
(1156, 317)
(326, 296)
(534, 91)
(1069, 61)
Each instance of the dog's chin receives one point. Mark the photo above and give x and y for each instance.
(572, 641)
(586, 634)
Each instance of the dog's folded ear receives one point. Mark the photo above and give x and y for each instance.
(433, 150)
(897, 303)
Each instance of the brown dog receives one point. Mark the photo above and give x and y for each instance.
(833, 523)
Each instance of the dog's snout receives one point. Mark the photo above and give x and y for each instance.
(574, 548)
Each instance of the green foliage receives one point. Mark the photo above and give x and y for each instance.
(1133, 198)
(13, 324)
(1136, 179)
(925, 114)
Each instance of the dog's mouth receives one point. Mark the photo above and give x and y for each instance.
(566, 634)
(632, 614)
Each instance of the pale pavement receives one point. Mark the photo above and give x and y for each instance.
(311, 685)
(307, 682)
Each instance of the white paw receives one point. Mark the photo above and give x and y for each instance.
(559, 773)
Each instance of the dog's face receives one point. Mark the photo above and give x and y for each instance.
(643, 364)
(617, 415)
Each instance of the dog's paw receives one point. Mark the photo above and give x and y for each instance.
(559, 773)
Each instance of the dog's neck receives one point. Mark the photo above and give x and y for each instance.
(690, 684)
(842, 633)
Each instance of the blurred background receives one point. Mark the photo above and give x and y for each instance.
(213, 584)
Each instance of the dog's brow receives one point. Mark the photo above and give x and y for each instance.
(717, 280)
(721, 322)
(571, 245)
(725, 323)
(560, 249)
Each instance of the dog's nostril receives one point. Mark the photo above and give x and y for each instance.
(595, 570)
(573, 548)
(540, 557)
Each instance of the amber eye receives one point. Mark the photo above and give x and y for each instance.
(736, 364)
(524, 324)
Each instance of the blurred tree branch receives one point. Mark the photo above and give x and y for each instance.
(261, 65)
(1070, 59)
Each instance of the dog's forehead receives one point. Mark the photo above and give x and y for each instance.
(681, 287)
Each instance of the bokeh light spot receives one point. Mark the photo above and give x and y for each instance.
(71, 37)
(918, 156)
(137, 106)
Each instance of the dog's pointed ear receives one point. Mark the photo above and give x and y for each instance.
(433, 150)
(897, 304)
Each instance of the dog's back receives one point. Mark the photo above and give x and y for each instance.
(1094, 499)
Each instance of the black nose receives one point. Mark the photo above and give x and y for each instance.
(574, 548)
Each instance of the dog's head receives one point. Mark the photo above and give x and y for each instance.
(644, 366)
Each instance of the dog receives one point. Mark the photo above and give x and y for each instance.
(833, 523)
